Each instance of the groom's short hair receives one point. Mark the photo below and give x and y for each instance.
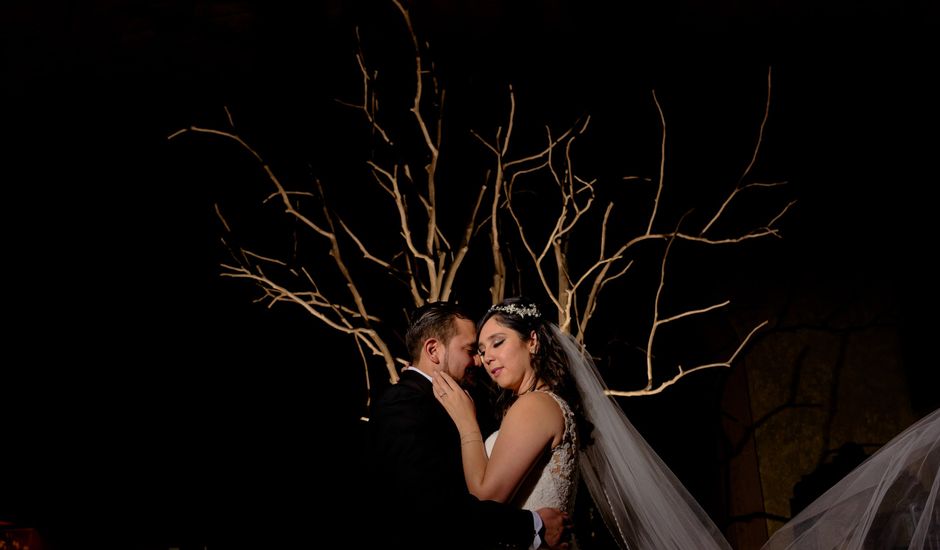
(432, 320)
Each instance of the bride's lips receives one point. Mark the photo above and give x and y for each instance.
(495, 372)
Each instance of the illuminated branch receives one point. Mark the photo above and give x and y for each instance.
(276, 293)
(498, 148)
(738, 188)
(315, 303)
(370, 103)
(464, 246)
(662, 163)
(562, 281)
(683, 372)
(425, 262)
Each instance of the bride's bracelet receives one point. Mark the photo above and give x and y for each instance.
(470, 438)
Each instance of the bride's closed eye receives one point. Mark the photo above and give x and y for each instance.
(496, 343)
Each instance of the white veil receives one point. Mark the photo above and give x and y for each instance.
(643, 504)
(889, 501)
(892, 500)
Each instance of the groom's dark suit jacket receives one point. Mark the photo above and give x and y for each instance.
(418, 485)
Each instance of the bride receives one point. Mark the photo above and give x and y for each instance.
(552, 398)
(532, 460)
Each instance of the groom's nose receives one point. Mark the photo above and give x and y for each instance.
(477, 360)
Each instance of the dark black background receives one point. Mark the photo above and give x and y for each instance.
(135, 377)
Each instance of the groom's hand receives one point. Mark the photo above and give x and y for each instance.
(557, 526)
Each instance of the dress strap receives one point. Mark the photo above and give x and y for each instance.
(568, 414)
(565, 409)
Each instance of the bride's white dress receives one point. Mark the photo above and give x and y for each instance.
(553, 479)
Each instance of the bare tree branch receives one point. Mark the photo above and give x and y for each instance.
(683, 372)
(747, 170)
(662, 163)
(370, 102)
(424, 260)
(760, 132)
(464, 247)
(577, 195)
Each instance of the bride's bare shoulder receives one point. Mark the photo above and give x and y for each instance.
(536, 407)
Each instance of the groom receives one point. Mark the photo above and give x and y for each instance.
(422, 500)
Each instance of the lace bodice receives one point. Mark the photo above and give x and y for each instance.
(554, 477)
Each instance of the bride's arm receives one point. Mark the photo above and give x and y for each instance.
(529, 427)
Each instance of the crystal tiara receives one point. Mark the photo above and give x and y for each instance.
(513, 309)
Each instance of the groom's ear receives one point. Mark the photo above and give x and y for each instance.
(431, 348)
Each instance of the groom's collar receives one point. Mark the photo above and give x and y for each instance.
(418, 371)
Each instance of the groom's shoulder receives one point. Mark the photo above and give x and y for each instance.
(405, 392)
(399, 408)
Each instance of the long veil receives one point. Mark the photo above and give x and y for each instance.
(641, 501)
(889, 501)
(892, 500)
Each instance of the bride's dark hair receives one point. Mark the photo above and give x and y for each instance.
(549, 361)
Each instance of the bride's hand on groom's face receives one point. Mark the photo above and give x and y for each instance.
(456, 400)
